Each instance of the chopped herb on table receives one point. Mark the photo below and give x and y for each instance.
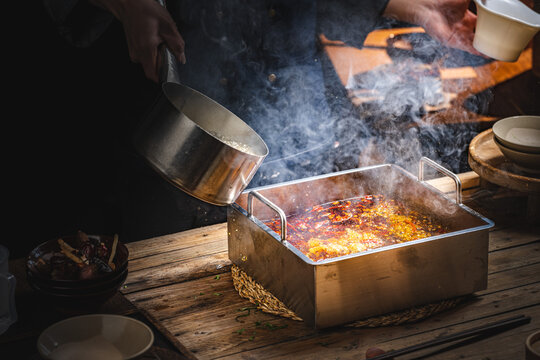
(269, 326)
(248, 309)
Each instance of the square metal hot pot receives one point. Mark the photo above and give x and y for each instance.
(340, 290)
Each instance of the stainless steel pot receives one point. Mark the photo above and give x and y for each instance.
(197, 144)
(339, 290)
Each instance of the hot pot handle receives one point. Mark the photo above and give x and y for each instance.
(426, 161)
(271, 205)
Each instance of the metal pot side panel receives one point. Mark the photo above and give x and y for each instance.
(274, 266)
(400, 278)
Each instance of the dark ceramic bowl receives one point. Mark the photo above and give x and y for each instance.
(76, 301)
(79, 293)
(108, 283)
(76, 293)
(44, 278)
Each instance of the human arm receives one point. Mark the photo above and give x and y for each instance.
(448, 21)
(147, 25)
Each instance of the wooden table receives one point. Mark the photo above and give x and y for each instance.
(181, 283)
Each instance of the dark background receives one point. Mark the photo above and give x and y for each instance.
(67, 129)
(72, 110)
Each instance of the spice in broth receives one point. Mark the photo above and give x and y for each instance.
(355, 225)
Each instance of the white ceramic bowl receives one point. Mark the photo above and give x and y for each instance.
(527, 162)
(97, 336)
(520, 133)
(504, 28)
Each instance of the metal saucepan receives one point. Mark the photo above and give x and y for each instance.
(197, 144)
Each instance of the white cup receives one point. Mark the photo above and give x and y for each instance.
(8, 315)
(504, 28)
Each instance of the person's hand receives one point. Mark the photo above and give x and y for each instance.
(448, 21)
(147, 25)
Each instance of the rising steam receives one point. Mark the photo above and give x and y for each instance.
(273, 79)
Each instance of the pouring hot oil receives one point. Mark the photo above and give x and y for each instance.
(245, 148)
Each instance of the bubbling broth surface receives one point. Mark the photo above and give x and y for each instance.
(355, 225)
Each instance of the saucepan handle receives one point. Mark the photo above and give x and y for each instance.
(426, 161)
(168, 69)
(271, 205)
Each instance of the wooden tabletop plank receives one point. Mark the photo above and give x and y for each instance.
(203, 315)
(152, 277)
(510, 237)
(177, 241)
(206, 324)
(168, 258)
(182, 256)
(514, 257)
(214, 332)
(512, 278)
(352, 345)
(506, 345)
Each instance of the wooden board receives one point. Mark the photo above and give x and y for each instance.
(348, 61)
(488, 161)
(458, 84)
(194, 300)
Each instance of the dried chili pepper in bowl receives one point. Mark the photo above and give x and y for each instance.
(78, 269)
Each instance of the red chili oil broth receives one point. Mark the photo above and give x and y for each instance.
(366, 222)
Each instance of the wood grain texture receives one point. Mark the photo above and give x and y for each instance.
(468, 180)
(177, 257)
